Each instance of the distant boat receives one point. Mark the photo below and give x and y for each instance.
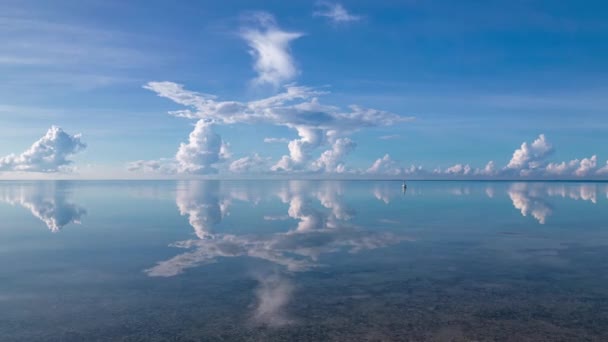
(404, 186)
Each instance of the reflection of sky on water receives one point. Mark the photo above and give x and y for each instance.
(294, 254)
(317, 223)
(530, 201)
(47, 201)
(530, 198)
(298, 248)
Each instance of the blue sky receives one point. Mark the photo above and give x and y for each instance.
(479, 80)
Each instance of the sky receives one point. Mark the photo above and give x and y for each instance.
(351, 89)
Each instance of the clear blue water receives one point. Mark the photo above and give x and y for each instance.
(303, 261)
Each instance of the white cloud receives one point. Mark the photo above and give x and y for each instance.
(276, 218)
(248, 164)
(384, 165)
(276, 140)
(50, 153)
(389, 137)
(270, 49)
(603, 170)
(166, 166)
(331, 160)
(530, 156)
(296, 107)
(335, 12)
(204, 149)
(488, 170)
(528, 161)
(577, 167)
(459, 169)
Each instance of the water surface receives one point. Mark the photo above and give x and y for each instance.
(303, 261)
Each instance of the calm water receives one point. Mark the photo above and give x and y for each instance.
(303, 261)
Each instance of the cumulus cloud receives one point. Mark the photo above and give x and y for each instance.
(269, 46)
(50, 153)
(248, 164)
(297, 107)
(488, 170)
(384, 165)
(578, 167)
(530, 160)
(459, 169)
(331, 160)
(529, 157)
(603, 170)
(204, 149)
(335, 12)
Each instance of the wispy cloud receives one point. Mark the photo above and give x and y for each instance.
(390, 137)
(43, 43)
(335, 12)
(253, 163)
(276, 140)
(269, 45)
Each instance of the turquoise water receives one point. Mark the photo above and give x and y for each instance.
(303, 261)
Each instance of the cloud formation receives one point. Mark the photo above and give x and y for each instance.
(253, 163)
(269, 46)
(331, 160)
(49, 154)
(204, 149)
(530, 160)
(530, 157)
(297, 107)
(335, 12)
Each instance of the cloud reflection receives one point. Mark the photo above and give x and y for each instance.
(317, 231)
(273, 293)
(532, 198)
(529, 201)
(48, 202)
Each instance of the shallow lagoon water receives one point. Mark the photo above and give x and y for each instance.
(303, 261)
